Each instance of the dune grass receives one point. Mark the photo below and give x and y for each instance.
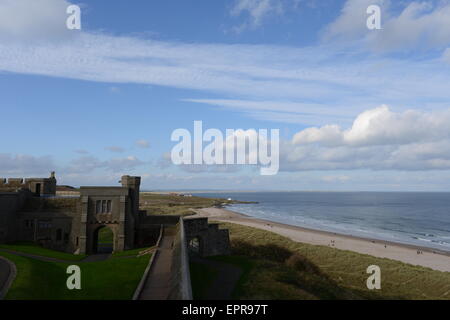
(176, 205)
(115, 278)
(279, 268)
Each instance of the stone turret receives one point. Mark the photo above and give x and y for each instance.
(133, 184)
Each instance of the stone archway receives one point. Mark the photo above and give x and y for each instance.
(195, 246)
(103, 240)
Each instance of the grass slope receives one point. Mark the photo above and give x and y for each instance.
(276, 267)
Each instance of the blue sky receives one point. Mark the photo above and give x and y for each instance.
(357, 109)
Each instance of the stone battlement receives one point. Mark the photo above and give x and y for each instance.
(38, 186)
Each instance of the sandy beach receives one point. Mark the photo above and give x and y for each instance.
(428, 257)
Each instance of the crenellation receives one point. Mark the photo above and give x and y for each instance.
(31, 211)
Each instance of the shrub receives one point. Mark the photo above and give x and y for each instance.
(300, 263)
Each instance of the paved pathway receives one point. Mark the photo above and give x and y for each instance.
(7, 275)
(157, 284)
(97, 257)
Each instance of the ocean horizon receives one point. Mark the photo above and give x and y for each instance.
(413, 218)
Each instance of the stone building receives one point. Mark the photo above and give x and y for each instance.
(113, 207)
(37, 186)
(31, 210)
(206, 239)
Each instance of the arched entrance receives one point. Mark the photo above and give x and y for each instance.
(103, 240)
(195, 246)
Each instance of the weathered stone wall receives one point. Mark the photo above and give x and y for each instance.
(10, 203)
(51, 230)
(91, 221)
(147, 230)
(212, 240)
(38, 186)
(180, 280)
(167, 220)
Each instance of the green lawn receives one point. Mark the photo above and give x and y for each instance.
(276, 267)
(115, 278)
(105, 235)
(37, 250)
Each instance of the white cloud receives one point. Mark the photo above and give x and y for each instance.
(351, 23)
(446, 55)
(283, 111)
(81, 151)
(311, 85)
(269, 77)
(380, 126)
(115, 149)
(88, 164)
(123, 164)
(143, 144)
(378, 139)
(257, 10)
(419, 25)
(34, 20)
(334, 179)
(23, 164)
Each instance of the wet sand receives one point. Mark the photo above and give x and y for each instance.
(430, 258)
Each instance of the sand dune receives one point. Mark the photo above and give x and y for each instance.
(427, 258)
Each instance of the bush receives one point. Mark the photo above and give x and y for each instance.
(300, 263)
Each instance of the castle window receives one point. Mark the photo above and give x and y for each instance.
(45, 224)
(103, 206)
(66, 237)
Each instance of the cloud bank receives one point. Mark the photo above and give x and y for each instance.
(379, 139)
(417, 25)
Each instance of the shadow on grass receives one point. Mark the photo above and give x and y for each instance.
(275, 272)
(113, 279)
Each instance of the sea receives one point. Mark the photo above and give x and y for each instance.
(414, 218)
